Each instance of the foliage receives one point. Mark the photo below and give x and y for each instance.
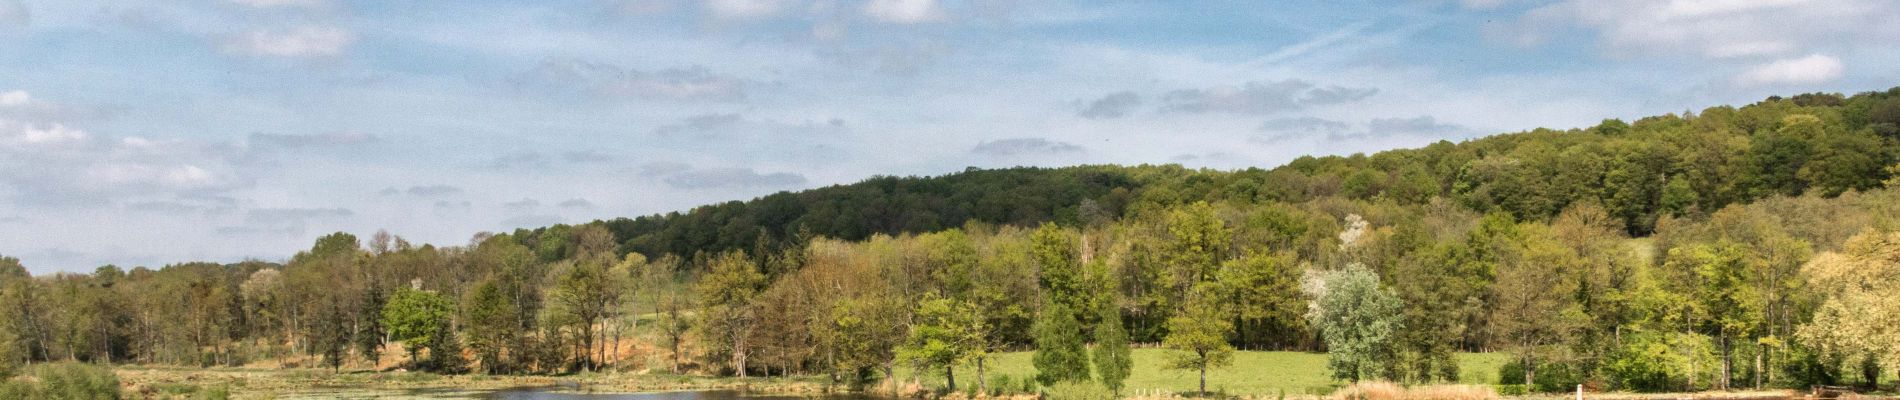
(1359, 321)
(419, 319)
(1198, 334)
(1584, 253)
(1060, 356)
(1661, 362)
(65, 381)
(726, 294)
(1111, 354)
(1535, 312)
(945, 334)
(1860, 316)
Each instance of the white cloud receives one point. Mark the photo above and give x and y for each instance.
(1483, 4)
(903, 11)
(1815, 68)
(14, 98)
(1707, 28)
(683, 176)
(1261, 97)
(690, 83)
(1750, 49)
(281, 3)
(49, 134)
(744, 9)
(1024, 147)
(13, 14)
(307, 41)
(1697, 8)
(50, 162)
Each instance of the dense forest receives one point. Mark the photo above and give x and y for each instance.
(1733, 247)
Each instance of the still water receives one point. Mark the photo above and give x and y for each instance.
(558, 393)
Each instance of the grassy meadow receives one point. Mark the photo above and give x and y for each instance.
(1252, 373)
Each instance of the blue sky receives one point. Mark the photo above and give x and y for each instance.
(144, 133)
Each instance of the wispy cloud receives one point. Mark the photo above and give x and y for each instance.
(1023, 147)
(299, 42)
(14, 15)
(1114, 105)
(1260, 97)
(684, 176)
(1814, 68)
(573, 76)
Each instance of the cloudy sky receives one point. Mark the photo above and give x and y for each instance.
(142, 133)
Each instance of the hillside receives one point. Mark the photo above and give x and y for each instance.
(1655, 166)
(1626, 256)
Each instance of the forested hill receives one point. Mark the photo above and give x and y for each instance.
(1662, 165)
(1627, 256)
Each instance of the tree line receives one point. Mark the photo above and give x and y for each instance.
(1735, 247)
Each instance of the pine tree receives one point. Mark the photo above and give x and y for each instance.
(1113, 360)
(1059, 352)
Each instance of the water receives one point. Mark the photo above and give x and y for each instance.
(556, 393)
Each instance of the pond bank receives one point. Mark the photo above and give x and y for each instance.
(250, 383)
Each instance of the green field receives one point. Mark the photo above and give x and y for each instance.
(1253, 372)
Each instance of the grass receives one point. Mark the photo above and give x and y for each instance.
(1253, 373)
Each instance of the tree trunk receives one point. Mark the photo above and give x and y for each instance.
(1530, 373)
(616, 346)
(738, 355)
(1758, 366)
(1203, 378)
(1728, 362)
(950, 376)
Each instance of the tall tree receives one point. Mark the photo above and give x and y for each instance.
(1060, 356)
(1359, 321)
(1198, 333)
(1860, 317)
(490, 323)
(946, 332)
(1535, 314)
(418, 318)
(726, 294)
(1112, 356)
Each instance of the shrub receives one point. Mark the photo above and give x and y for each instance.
(1000, 384)
(1078, 391)
(1551, 377)
(66, 381)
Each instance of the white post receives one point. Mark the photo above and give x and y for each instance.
(1579, 392)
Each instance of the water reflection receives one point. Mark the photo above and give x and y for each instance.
(556, 394)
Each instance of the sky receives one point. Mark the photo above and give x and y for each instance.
(148, 133)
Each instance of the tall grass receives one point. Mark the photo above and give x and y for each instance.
(1392, 391)
(64, 381)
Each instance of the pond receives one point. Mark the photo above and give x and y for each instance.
(555, 393)
(558, 393)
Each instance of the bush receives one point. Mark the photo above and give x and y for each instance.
(1079, 391)
(1658, 362)
(65, 381)
(1551, 377)
(1511, 390)
(1000, 384)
